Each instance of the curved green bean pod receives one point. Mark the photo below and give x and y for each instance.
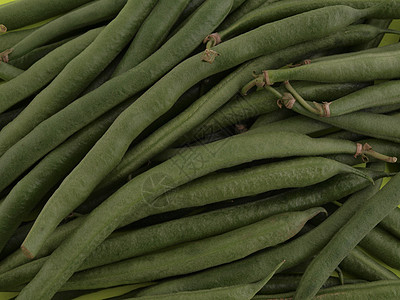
(382, 289)
(80, 71)
(252, 268)
(236, 292)
(298, 172)
(87, 108)
(381, 23)
(367, 217)
(151, 34)
(88, 14)
(42, 72)
(223, 219)
(18, 14)
(197, 255)
(8, 72)
(351, 69)
(11, 38)
(28, 192)
(190, 165)
(282, 9)
(220, 94)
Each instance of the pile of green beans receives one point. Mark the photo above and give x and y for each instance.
(199, 149)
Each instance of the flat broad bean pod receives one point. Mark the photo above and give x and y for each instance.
(91, 13)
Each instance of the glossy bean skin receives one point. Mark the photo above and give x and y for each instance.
(283, 9)
(80, 71)
(18, 14)
(350, 69)
(295, 252)
(89, 14)
(151, 34)
(57, 128)
(299, 199)
(209, 103)
(367, 217)
(43, 71)
(31, 189)
(64, 262)
(382, 289)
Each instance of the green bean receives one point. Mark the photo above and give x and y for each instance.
(299, 199)
(383, 246)
(11, 38)
(375, 125)
(366, 218)
(88, 14)
(26, 61)
(151, 34)
(282, 9)
(381, 23)
(82, 70)
(28, 192)
(15, 241)
(392, 222)
(382, 289)
(387, 93)
(197, 255)
(8, 72)
(190, 165)
(299, 172)
(42, 72)
(239, 292)
(363, 266)
(237, 4)
(220, 94)
(84, 110)
(272, 117)
(25, 12)
(252, 268)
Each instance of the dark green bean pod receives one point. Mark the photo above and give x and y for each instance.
(11, 38)
(382, 289)
(91, 13)
(26, 12)
(272, 117)
(362, 266)
(220, 94)
(27, 61)
(383, 245)
(15, 241)
(87, 108)
(80, 71)
(42, 72)
(252, 268)
(392, 222)
(151, 34)
(299, 199)
(31, 189)
(282, 9)
(364, 220)
(355, 68)
(380, 23)
(8, 72)
(197, 255)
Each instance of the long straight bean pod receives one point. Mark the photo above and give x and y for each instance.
(8, 72)
(220, 94)
(42, 72)
(87, 108)
(28, 192)
(11, 38)
(367, 217)
(89, 14)
(201, 226)
(197, 255)
(17, 14)
(281, 9)
(392, 222)
(253, 267)
(80, 71)
(192, 164)
(151, 34)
